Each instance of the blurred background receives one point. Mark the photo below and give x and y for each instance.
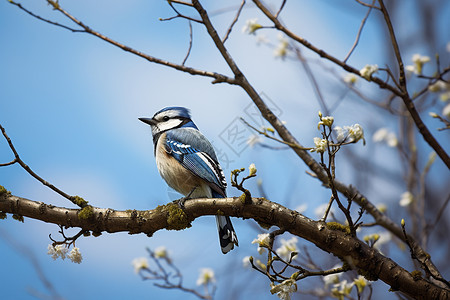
(71, 102)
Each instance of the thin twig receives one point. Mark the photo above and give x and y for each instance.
(358, 35)
(429, 138)
(274, 138)
(368, 5)
(181, 2)
(218, 78)
(179, 15)
(31, 172)
(43, 19)
(227, 34)
(190, 44)
(9, 163)
(320, 52)
(280, 9)
(313, 81)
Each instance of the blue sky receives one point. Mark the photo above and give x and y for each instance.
(71, 102)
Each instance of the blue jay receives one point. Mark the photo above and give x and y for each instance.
(187, 162)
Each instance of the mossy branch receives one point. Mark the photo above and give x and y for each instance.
(364, 258)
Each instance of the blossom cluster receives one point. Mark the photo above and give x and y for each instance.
(62, 251)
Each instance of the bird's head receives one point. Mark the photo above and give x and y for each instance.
(169, 118)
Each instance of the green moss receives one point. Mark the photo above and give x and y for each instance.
(176, 217)
(368, 275)
(416, 275)
(4, 191)
(338, 226)
(86, 212)
(220, 213)
(242, 198)
(3, 215)
(18, 218)
(79, 201)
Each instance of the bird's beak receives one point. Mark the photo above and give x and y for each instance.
(148, 121)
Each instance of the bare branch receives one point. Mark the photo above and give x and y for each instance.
(292, 145)
(429, 138)
(280, 9)
(190, 44)
(368, 5)
(179, 15)
(233, 22)
(218, 78)
(358, 35)
(320, 52)
(31, 172)
(43, 19)
(9, 163)
(349, 191)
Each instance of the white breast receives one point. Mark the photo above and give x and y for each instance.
(177, 176)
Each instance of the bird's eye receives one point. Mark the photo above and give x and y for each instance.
(165, 118)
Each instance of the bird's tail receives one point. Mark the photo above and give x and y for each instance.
(227, 236)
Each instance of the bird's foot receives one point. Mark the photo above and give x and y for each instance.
(181, 201)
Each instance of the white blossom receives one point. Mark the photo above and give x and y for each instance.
(406, 198)
(326, 121)
(410, 69)
(161, 252)
(446, 111)
(246, 261)
(320, 145)
(355, 132)
(75, 255)
(252, 170)
(262, 241)
(350, 78)
(282, 48)
(352, 133)
(57, 251)
(342, 289)
(368, 70)
(139, 264)
(384, 135)
(287, 247)
(419, 61)
(251, 26)
(284, 289)
(381, 207)
(438, 86)
(360, 283)
(332, 278)
(206, 276)
(442, 87)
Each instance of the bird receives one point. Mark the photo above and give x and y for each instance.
(186, 160)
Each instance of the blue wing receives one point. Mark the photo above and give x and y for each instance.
(192, 150)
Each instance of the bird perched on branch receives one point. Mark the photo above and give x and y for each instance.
(187, 162)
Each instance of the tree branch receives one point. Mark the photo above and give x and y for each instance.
(360, 256)
(349, 191)
(426, 134)
(320, 52)
(218, 78)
